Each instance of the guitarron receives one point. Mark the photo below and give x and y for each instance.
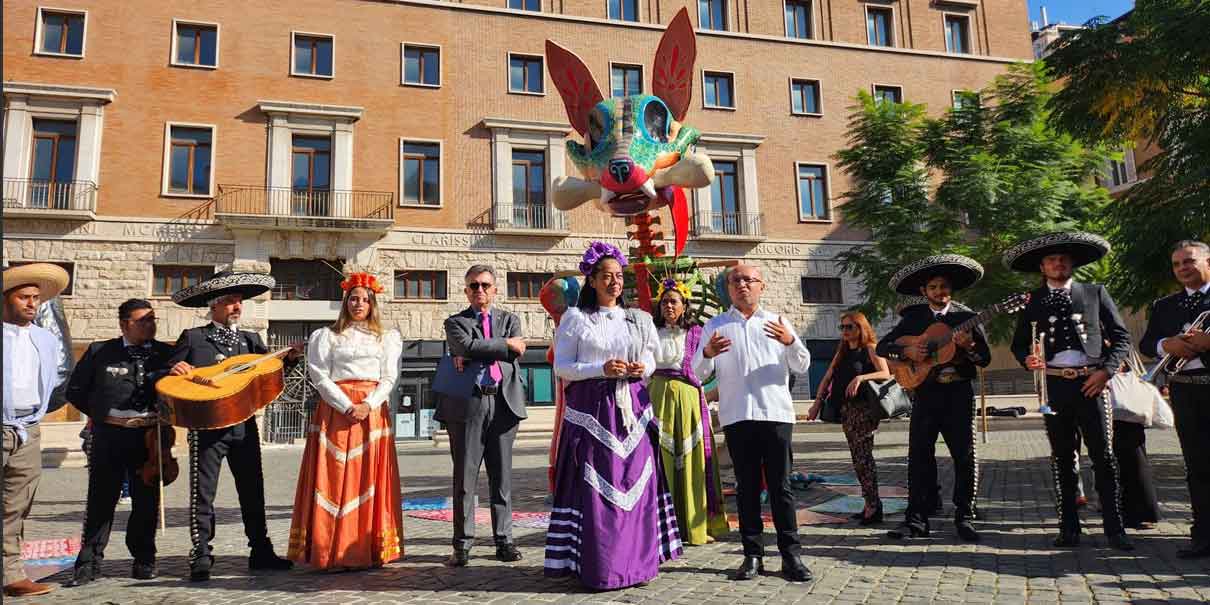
(939, 338)
(224, 394)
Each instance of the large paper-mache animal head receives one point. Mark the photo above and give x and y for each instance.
(636, 155)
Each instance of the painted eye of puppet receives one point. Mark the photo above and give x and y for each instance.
(596, 129)
(655, 120)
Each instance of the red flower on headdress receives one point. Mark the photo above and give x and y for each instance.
(361, 280)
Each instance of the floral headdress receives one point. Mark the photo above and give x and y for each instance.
(677, 286)
(361, 280)
(597, 251)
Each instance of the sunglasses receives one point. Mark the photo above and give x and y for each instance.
(479, 285)
(847, 327)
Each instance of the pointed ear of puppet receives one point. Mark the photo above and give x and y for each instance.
(672, 78)
(574, 81)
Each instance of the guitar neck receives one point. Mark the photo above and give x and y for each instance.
(236, 369)
(975, 321)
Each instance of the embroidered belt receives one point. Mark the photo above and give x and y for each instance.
(132, 422)
(1190, 378)
(950, 377)
(1071, 373)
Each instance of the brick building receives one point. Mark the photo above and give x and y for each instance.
(149, 143)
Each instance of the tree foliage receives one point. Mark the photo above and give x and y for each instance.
(975, 181)
(1144, 78)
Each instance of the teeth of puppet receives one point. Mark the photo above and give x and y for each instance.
(606, 195)
(648, 187)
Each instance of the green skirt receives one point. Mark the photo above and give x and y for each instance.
(678, 407)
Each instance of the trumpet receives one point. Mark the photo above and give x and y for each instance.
(1039, 348)
(1166, 366)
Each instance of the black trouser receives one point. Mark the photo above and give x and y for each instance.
(1139, 504)
(240, 445)
(486, 435)
(116, 455)
(1191, 407)
(757, 445)
(948, 410)
(1077, 416)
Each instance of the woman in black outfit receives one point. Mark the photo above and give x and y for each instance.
(854, 363)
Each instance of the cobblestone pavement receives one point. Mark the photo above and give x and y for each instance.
(1014, 563)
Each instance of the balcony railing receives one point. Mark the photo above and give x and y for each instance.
(529, 217)
(739, 225)
(305, 208)
(37, 194)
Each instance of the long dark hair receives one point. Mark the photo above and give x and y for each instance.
(588, 294)
(682, 322)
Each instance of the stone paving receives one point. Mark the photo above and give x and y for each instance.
(1014, 563)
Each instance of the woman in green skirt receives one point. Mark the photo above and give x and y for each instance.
(686, 437)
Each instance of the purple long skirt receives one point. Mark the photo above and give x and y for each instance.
(613, 520)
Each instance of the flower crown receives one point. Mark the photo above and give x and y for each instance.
(677, 286)
(597, 251)
(361, 280)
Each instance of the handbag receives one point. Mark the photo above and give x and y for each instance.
(886, 398)
(829, 411)
(1133, 399)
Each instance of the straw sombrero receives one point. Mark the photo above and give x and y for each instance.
(50, 279)
(961, 271)
(223, 284)
(1084, 248)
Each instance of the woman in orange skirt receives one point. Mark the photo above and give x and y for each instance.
(347, 512)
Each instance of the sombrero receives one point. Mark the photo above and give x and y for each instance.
(50, 279)
(961, 271)
(221, 284)
(1084, 248)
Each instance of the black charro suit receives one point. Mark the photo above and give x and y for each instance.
(1075, 415)
(110, 380)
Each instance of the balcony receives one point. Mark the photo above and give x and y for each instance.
(285, 208)
(529, 219)
(729, 226)
(72, 200)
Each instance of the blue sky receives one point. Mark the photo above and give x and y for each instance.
(1076, 12)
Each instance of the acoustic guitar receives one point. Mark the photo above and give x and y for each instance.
(224, 394)
(939, 338)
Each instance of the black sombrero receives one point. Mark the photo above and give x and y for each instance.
(221, 284)
(961, 271)
(1084, 248)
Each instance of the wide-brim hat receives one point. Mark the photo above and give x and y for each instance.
(50, 279)
(961, 271)
(1084, 248)
(222, 284)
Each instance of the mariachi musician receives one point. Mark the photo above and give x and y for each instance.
(114, 384)
(207, 345)
(1075, 319)
(945, 402)
(1170, 332)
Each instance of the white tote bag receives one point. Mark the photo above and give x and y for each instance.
(1134, 399)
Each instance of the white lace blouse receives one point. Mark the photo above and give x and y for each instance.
(353, 355)
(585, 341)
(670, 354)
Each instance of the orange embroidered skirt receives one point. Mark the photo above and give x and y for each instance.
(347, 512)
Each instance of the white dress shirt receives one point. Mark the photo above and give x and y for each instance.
(753, 376)
(23, 359)
(585, 341)
(670, 354)
(1192, 364)
(354, 354)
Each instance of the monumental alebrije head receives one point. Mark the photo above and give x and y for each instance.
(636, 155)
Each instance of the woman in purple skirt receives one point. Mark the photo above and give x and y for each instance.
(613, 520)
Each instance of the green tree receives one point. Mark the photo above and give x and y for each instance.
(975, 181)
(1144, 78)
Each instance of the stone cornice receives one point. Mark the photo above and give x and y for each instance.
(732, 138)
(37, 89)
(346, 112)
(527, 125)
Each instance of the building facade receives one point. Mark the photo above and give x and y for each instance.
(148, 144)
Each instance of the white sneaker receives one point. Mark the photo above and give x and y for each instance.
(124, 500)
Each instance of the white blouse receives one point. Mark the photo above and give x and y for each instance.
(670, 354)
(354, 354)
(585, 341)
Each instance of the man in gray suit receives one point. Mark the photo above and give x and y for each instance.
(486, 345)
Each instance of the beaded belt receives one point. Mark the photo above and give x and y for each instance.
(1071, 373)
(134, 422)
(1190, 378)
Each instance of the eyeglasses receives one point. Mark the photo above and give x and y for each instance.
(847, 327)
(745, 281)
(479, 285)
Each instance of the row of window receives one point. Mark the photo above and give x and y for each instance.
(297, 280)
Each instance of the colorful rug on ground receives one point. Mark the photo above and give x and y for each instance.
(45, 558)
(884, 491)
(848, 505)
(431, 503)
(805, 517)
(483, 516)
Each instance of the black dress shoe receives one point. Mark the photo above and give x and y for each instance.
(199, 568)
(750, 568)
(1197, 550)
(143, 571)
(1120, 542)
(1068, 539)
(460, 558)
(966, 531)
(873, 519)
(793, 570)
(83, 575)
(264, 559)
(907, 530)
(508, 553)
